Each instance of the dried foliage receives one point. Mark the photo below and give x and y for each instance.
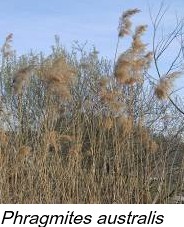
(20, 77)
(125, 23)
(131, 64)
(59, 76)
(165, 84)
(7, 48)
(75, 129)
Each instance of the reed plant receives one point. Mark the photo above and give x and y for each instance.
(77, 128)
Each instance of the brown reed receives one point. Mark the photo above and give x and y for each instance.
(165, 84)
(3, 138)
(106, 144)
(137, 45)
(23, 152)
(20, 78)
(60, 76)
(125, 124)
(125, 23)
(108, 122)
(7, 48)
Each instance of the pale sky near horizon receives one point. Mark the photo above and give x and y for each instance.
(35, 22)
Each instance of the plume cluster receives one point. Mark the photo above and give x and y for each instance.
(98, 146)
(20, 77)
(137, 45)
(165, 84)
(110, 97)
(125, 23)
(59, 76)
(131, 64)
(7, 48)
(129, 68)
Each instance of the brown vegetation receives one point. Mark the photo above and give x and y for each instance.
(83, 132)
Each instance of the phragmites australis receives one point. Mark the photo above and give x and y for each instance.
(59, 77)
(3, 138)
(20, 77)
(108, 123)
(131, 64)
(125, 124)
(125, 23)
(6, 48)
(23, 152)
(137, 45)
(165, 84)
(129, 68)
(122, 68)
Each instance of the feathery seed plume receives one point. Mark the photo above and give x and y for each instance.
(20, 77)
(6, 48)
(125, 23)
(60, 77)
(137, 45)
(122, 70)
(165, 84)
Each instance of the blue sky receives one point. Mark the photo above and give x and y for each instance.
(35, 22)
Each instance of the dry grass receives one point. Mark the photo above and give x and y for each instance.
(125, 23)
(6, 48)
(165, 84)
(80, 133)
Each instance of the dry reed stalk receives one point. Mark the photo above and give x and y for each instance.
(75, 149)
(153, 146)
(143, 132)
(23, 152)
(108, 123)
(88, 104)
(116, 106)
(66, 138)
(2, 160)
(165, 84)
(146, 139)
(53, 139)
(107, 96)
(3, 138)
(125, 124)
